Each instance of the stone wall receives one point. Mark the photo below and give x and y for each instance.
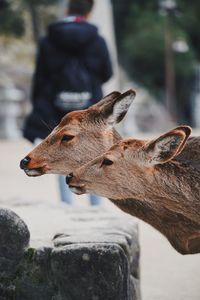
(95, 258)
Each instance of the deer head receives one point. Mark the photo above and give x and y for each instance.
(80, 136)
(129, 166)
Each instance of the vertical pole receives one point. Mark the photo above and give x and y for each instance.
(169, 71)
(35, 19)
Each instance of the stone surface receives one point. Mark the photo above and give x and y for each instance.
(14, 235)
(102, 272)
(95, 257)
(14, 239)
(107, 253)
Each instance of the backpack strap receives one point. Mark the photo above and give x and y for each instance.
(75, 19)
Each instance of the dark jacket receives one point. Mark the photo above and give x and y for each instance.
(76, 38)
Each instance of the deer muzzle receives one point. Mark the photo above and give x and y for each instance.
(24, 162)
(77, 188)
(31, 169)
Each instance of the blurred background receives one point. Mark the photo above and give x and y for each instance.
(155, 49)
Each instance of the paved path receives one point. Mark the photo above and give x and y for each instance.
(165, 274)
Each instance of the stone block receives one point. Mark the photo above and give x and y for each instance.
(96, 257)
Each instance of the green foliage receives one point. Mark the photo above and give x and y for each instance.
(142, 44)
(189, 22)
(144, 48)
(121, 10)
(39, 2)
(12, 13)
(11, 20)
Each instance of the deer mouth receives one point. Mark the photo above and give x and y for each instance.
(78, 190)
(35, 172)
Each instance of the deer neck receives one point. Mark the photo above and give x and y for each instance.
(182, 233)
(173, 185)
(178, 187)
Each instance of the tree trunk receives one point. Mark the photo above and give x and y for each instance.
(35, 20)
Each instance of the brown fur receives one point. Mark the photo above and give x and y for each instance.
(182, 232)
(92, 135)
(157, 181)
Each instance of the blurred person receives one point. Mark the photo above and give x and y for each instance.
(72, 64)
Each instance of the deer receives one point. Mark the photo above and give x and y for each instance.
(79, 137)
(157, 181)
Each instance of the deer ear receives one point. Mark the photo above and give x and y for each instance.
(167, 146)
(109, 98)
(114, 111)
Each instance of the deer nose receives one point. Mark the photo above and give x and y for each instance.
(24, 162)
(68, 178)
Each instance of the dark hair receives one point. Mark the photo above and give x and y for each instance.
(80, 7)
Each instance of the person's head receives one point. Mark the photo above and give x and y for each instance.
(80, 7)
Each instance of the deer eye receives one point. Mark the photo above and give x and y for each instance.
(67, 138)
(107, 162)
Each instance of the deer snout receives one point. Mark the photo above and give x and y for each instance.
(24, 162)
(68, 178)
(32, 167)
(74, 184)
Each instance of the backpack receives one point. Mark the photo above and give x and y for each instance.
(73, 83)
(73, 86)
